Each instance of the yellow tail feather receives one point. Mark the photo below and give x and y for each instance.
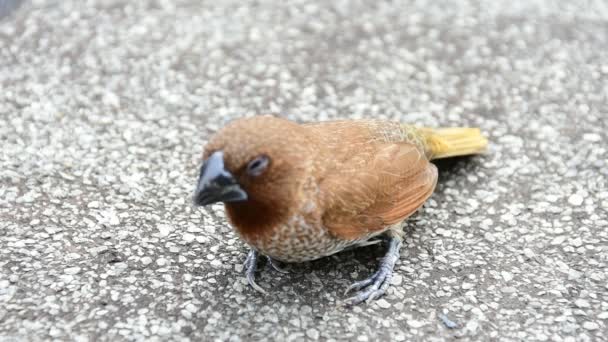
(452, 142)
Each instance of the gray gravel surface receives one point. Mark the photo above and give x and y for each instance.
(105, 106)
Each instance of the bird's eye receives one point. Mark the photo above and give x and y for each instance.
(257, 165)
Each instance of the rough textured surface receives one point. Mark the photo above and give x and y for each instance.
(105, 105)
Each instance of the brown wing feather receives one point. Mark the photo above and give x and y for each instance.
(377, 186)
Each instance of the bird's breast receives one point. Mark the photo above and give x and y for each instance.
(301, 238)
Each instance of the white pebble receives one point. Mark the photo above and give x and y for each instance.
(146, 260)
(581, 303)
(72, 270)
(188, 238)
(415, 324)
(591, 326)
(575, 200)
(312, 334)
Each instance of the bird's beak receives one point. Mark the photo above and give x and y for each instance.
(216, 184)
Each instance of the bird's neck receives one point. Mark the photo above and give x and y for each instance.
(254, 218)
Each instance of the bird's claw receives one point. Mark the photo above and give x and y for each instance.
(376, 285)
(275, 266)
(251, 265)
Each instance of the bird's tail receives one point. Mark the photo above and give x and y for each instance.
(452, 142)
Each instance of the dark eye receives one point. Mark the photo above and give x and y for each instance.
(257, 165)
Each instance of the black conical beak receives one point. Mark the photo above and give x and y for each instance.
(216, 184)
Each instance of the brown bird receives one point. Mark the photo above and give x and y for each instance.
(298, 192)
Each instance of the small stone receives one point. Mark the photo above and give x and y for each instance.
(51, 230)
(162, 262)
(472, 326)
(165, 229)
(603, 315)
(118, 268)
(110, 218)
(72, 270)
(66, 278)
(577, 242)
(558, 240)
(506, 276)
(415, 324)
(121, 206)
(592, 137)
(146, 260)
(188, 238)
(54, 332)
(187, 314)
(124, 189)
(312, 334)
(383, 303)
(591, 326)
(529, 253)
(574, 274)
(111, 100)
(575, 200)
(191, 307)
(467, 286)
(216, 263)
(581, 303)
(508, 289)
(93, 205)
(13, 278)
(443, 232)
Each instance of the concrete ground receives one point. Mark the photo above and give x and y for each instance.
(105, 106)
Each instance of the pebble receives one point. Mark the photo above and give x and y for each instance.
(416, 324)
(164, 230)
(558, 240)
(591, 326)
(93, 205)
(508, 289)
(146, 260)
(72, 270)
(188, 238)
(576, 242)
(467, 286)
(582, 303)
(506, 276)
(383, 303)
(529, 253)
(575, 200)
(312, 334)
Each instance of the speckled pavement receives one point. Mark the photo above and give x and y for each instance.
(105, 106)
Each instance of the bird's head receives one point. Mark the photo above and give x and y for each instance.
(255, 166)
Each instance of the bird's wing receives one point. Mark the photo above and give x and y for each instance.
(376, 187)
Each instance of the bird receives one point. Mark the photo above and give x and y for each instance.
(295, 192)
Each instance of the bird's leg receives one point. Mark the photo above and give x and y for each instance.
(376, 285)
(251, 265)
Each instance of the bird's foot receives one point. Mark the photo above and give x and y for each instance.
(376, 285)
(273, 263)
(251, 266)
